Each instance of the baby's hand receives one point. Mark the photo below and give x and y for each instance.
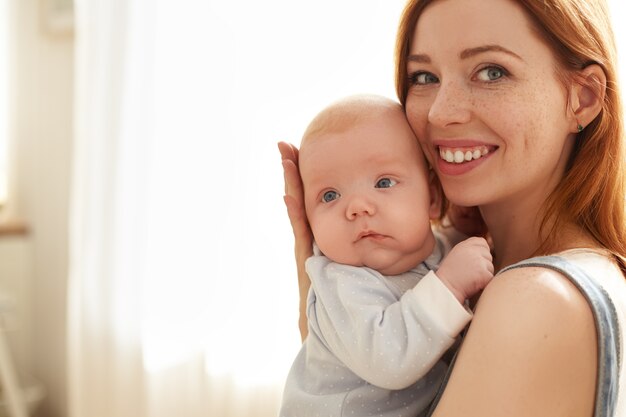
(467, 269)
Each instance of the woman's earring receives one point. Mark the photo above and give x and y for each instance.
(579, 127)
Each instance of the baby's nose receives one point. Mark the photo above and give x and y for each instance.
(360, 206)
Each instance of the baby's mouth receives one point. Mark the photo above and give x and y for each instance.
(465, 154)
(368, 234)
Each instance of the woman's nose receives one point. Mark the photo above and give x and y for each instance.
(360, 206)
(451, 105)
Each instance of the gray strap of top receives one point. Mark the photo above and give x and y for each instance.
(607, 327)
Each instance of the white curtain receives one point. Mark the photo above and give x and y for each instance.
(183, 295)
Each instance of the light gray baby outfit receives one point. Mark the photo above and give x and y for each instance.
(375, 342)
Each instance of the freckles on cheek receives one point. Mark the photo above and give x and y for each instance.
(537, 124)
(530, 136)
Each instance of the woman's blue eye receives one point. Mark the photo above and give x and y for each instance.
(491, 74)
(385, 183)
(423, 78)
(330, 196)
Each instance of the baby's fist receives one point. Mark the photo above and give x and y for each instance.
(468, 268)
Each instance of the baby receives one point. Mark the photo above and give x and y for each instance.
(384, 304)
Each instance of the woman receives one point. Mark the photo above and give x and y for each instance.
(533, 83)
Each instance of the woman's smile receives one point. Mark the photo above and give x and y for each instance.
(461, 155)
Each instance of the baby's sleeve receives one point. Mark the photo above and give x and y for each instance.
(388, 342)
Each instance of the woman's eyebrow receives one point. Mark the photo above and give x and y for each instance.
(466, 53)
(470, 52)
(419, 58)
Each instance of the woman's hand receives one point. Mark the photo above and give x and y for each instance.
(294, 200)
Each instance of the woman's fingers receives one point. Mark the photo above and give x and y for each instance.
(294, 191)
(293, 183)
(289, 156)
(294, 201)
(288, 151)
(297, 217)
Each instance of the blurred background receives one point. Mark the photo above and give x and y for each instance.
(145, 253)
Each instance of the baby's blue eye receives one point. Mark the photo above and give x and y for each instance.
(330, 196)
(385, 183)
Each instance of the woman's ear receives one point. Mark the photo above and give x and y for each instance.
(586, 96)
(436, 195)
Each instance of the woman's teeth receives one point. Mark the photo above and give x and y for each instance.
(458, 156)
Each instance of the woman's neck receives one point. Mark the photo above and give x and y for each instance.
(516, 233)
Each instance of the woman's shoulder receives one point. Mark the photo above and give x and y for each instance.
(540, 284)
(530, 350)
(592, 277)
(539, 307)
(538, 288)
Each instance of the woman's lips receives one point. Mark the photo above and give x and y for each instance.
(456, 155)
(458, 160)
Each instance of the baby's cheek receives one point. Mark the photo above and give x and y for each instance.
(329, 237)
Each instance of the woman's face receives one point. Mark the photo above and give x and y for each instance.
(485, 102)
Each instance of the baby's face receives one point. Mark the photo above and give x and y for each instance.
(367, 195)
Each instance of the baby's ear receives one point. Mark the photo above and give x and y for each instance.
(436, 196)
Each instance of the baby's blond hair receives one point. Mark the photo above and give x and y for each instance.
(348, 112)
